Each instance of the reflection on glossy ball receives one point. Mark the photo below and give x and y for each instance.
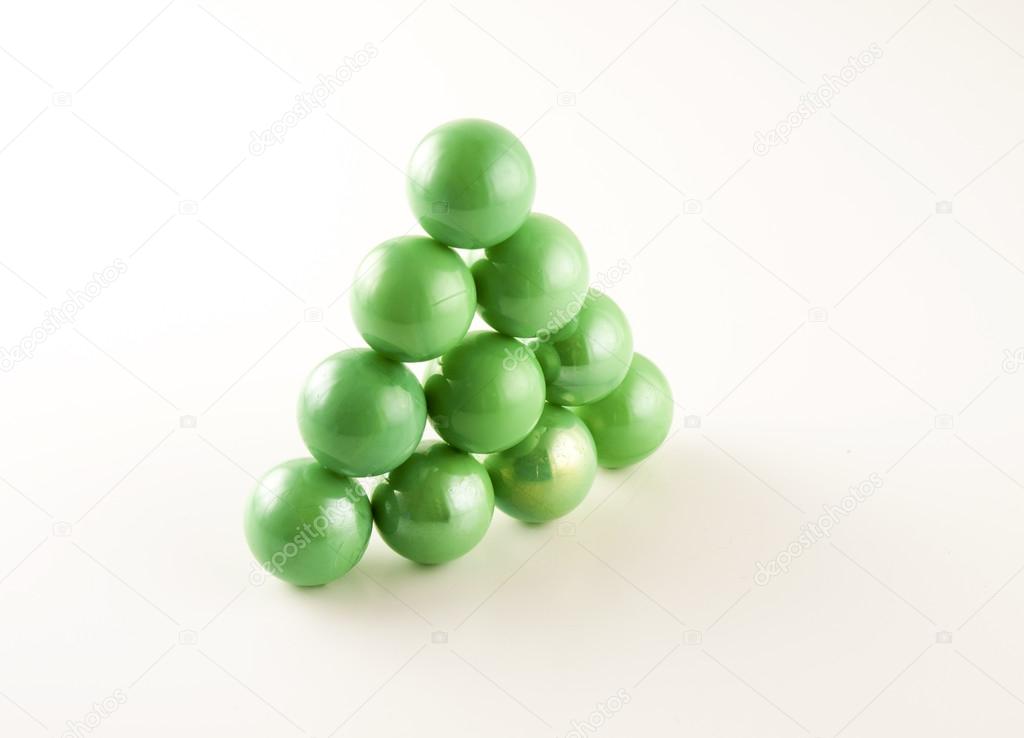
(361, 414)
(629, 424)
(413, 298)
(547, 474)
(589, 357)
(436, 506)
(471, 183)
(485, 394)
(307, 525)
(534, 281)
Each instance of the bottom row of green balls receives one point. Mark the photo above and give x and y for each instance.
(309, 521)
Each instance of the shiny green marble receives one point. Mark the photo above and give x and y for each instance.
(589, 357)
(413, 298)
(471, 183)
(436, 506)
(534, 281)
(307, 525)
(361, 414)
(548, 473)
(486, 394)
(629, 424)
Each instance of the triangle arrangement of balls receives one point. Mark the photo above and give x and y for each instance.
(527, 412)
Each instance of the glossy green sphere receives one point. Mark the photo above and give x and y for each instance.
(471, 183)
(361, 414)
(629, 424)
(436, 506)
(413, 298)
(307, 525)
(534, 281)
(589, 357)
(486, 394)
(548, 473)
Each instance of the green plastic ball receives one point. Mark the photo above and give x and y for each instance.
(471, 183)
(534, 281)
(361, 414)
(547, 474)
(629, 424)
(413, 298)
(589, 357)
(307, 525)
(486, 394)
(436, 506)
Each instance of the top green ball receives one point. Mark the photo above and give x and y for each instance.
(471, 183)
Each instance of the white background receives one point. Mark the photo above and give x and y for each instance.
(818, 315)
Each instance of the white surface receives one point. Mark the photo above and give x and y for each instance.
(123, 572)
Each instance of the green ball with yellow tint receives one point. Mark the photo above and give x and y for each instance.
(548, 473)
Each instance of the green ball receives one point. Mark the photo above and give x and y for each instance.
(471, 183)
(589, 357)
(413, 298)
(361, 414)
(629, 424)
(486, 394)
(307, 525)
(547, 474)
(534, 281)
(436, 506)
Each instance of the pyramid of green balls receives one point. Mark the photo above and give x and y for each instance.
(527, 412)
